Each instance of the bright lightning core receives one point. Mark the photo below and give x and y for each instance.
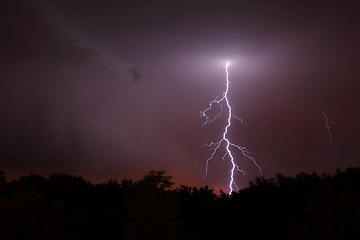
(214, 146)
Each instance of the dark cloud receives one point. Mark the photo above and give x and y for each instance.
(68, 100)
(135, 74)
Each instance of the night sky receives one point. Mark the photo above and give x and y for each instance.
(113, 89)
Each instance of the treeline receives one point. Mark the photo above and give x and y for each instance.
(308, 206)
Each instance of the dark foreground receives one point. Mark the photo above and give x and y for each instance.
(309, 206)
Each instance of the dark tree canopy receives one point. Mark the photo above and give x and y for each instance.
(62, 206)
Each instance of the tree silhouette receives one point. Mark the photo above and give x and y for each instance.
(62, 206)
(2, 177)
(156, 179)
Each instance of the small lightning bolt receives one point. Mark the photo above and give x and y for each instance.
(214, 146)
(329, 136)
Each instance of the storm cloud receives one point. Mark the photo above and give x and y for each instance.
(113, 89)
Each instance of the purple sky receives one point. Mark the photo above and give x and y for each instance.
(113, 89)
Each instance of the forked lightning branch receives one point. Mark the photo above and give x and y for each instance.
(224, 142)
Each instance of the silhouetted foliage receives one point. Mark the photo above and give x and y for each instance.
(2, 177)
(62, 206)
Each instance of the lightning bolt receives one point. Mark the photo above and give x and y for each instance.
(329, 136)
(214, 146)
